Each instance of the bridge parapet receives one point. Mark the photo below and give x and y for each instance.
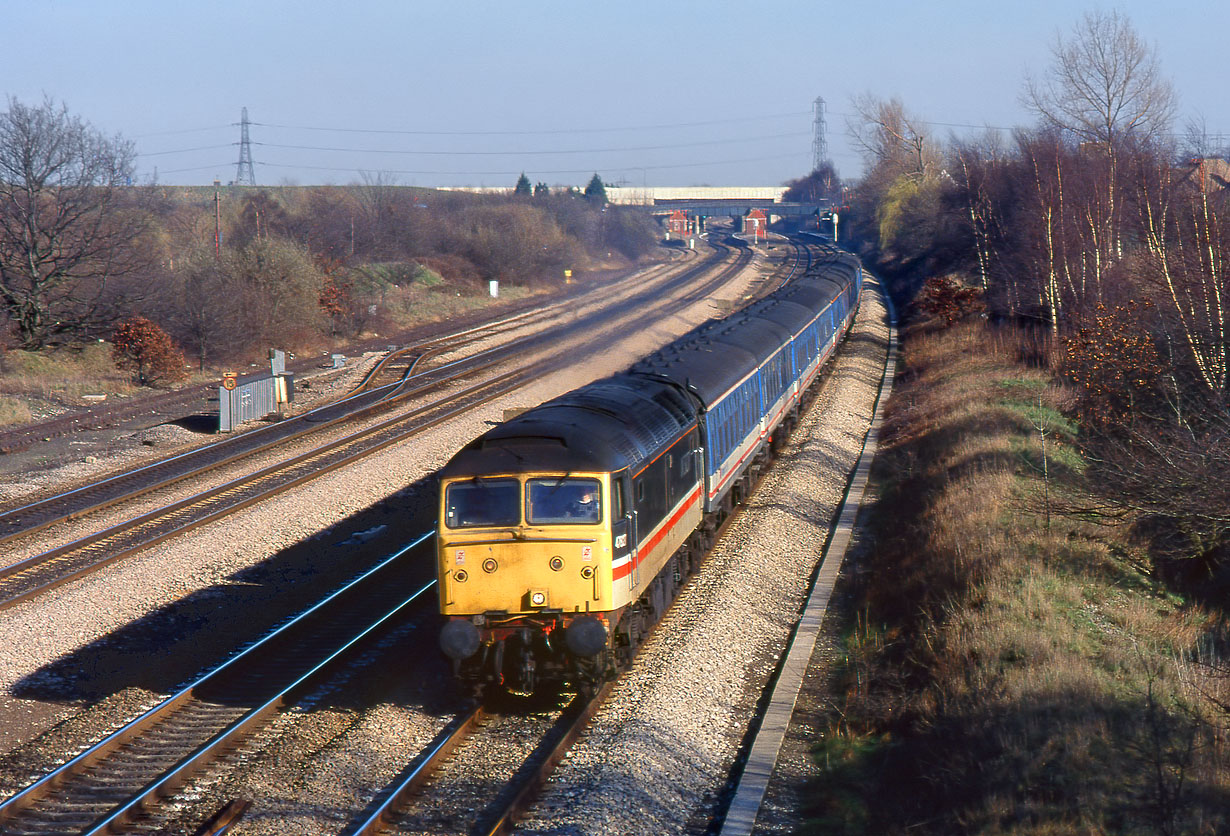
(655, 195)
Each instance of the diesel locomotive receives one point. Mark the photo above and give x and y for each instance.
(565, 532)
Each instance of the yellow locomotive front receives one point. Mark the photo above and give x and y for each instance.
(524, 544)
(525, 574)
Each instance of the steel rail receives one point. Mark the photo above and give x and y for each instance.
(419, 772)
(568, 734)
(77, 569)
(90, 761)
(109, 491)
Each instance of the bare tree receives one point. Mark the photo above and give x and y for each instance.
(891, 138)
(975, 168)
(1105, 84)
(68, 225)
(1198, 143)
(1104, 89)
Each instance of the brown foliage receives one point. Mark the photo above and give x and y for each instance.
(141, 346)
(946, 298)
(1114, 364)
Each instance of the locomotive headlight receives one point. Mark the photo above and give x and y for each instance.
(587, 572)
(557, 563)
(489, 565)
(538, 598)
(460, 576)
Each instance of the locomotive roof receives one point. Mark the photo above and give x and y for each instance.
(608, 425)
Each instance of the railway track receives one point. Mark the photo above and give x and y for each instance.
(169, 406)
(368, 397)
(518, 749)
(210, 718)
(114, 785)
(34, 575)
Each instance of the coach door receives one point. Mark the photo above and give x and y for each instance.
(623, 526)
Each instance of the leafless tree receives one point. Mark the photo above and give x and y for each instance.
(1104, 85)
(1197, 143)
(976, 167)
(1105, 88)
(890, 137)
(1185, 227)
(68, 224)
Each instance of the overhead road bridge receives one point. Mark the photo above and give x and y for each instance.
(714, 201)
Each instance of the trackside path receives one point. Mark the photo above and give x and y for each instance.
(762, 760)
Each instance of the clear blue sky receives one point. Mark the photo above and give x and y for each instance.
(472, 93)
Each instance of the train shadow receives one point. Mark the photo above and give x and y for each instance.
(172, 645)
(201, 422)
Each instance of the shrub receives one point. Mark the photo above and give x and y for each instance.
(140, 346)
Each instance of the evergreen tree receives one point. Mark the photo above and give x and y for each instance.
(596, 191)
(541, 190)
(523, 185)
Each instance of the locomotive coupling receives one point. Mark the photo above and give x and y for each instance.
(459, 639)
(586, 636)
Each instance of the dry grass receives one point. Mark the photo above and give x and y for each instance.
(1010, 676)
(426, 302)
(14, 411)
(63, 375)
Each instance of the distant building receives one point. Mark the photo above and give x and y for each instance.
(1208, 174)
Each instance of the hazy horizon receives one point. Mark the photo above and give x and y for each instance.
(474, 94)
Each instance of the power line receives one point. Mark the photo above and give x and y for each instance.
(435, 153)
(544, 132)
(184, 131)
(185, 150)
(513, 172)
(194, 168)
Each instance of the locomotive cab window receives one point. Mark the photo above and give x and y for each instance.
(563, 501)
(477, 503)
